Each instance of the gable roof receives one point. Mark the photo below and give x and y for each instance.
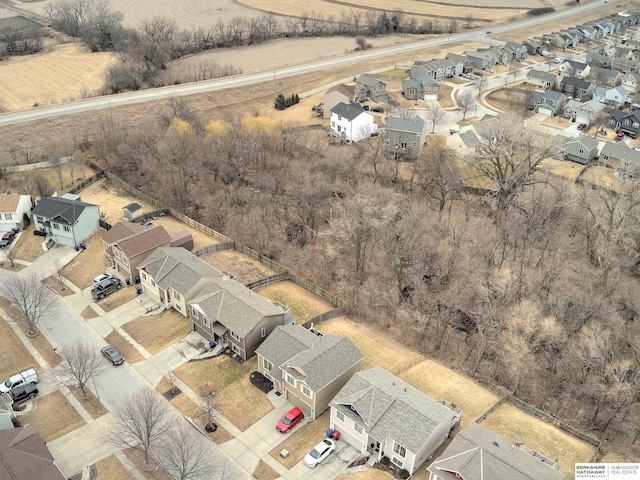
(551, 95)
(546, 76)
(350, 112)
(620, 115)
(390, 407)
(619, 89)
(60, 210)
(368, 81)
(121, 230)
(347, 90)
(594, 104)
(132, 207)
(9, 203)
(620, 151)
(24, 456)
(411, 125)
(285, 342)
(586, 141)
(143, 241)
(577, 65)
(576, 82)
(235, 306)
(177, 268)
(633, 75)
(477, 453)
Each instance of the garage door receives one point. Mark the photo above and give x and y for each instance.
(299, 403)
(545, 110)
(204, 333)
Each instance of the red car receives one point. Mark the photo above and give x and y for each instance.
(293, 417)
(632, 135)
(7, 238)
(619, 136)
(582, 126)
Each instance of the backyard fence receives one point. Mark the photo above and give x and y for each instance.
(213, 248)
(263, 282)
(323, 317)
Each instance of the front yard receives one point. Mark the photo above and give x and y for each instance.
(87, 264)
(52, 416)
(302, 440)
(157, 332)
(15, 357)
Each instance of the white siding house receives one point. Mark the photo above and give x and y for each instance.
(351, 122)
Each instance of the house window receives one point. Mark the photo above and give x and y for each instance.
(235, 348)
(40, 219)
(56, 226)
(153, 284)
(397, 462)
(626, 122)
(263, 332)
(206, 321)
(581, 151)
(194, 313)
(235, 335)
(339, 118)
(66, 229)
(7, 216)
(306, 391)
(635, 124)
(403, 145)
(267, 364)
(144, 276)
(116, 253)
(178, 307)
(291, 380)
(176, 295)
(415, 144)
(340, 415)
(606, 157)
(125, 260)
(357, 428)
(399, 449)
(333, 124)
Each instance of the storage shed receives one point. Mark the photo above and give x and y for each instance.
(129, 212)
(182, 239)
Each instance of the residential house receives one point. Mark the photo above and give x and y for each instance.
(458, 60)
(500, 55)
(582, 149)
(336, 94)
(480, 59)
(569, 68)
(589, 111)
(618, 52)
(597, 59)
(599, 94)
(368, 87)
(13, 210)
(624, 121)
(540, 79)
(624, 66)
(477, 453)
(631, 82)
(557, 40)
(24, 455)
(549, 102)
(117, 232)
(588, 32)
(576, 87)
(605, 77)
(404, 137)
(533, 47)
(379, 414)
(433, 70)
(128, 252)
(421, 89)
(619, 156)
(66, 220)
(518, 51)
(221, 310)
(616, 97)
(351, 122)
(635, 54)
(307, 368)
(571, 109)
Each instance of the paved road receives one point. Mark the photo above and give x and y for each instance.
(260, 77)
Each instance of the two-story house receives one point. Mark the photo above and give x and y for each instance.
(66, 219)
(368, 87)
(477, 453)
(404, 137)
(582, 149)
(604, 77)
(540, 79)
(576, 88)
(336, 94)
(480, 60)
(533, 47)
(13, 210)
(351, 122)
(306, 367)
(631, 82)
(619, 156)
(421, 89)
(549, 102)
(379, 414)
(570, 68)
(625, 122)
(616, 97)
(588, 112)
(126, 252)
(518, 51)
(596, 59)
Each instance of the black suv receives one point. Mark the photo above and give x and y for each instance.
(106, 287)
(24, 392)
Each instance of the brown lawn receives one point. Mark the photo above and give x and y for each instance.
(118, 298)
(602, 177)
(377, 348)
(111, 468)
(13, 180)
(558, 122)
(66, 72)
(91, 404)
(137, 458)
(7, 266)
(29, 246)
(265, 472)
(55, 286)
(15, 357)
(89, 313)
(516, 426)
(444, 96)
(53, 416)
(302, 440)
(89, 263)
(128, 351)
(157, 332)
(370, 474)
(246, 269)
(303, 304)
(563, 168)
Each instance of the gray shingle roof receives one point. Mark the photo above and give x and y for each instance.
(546, 76)
(477, 453)
(177, 268)
(585, 140)
(389, 407)
(349, 112)
(61, 210)
(317, 360)
(411, 125)
(621, 152)
(235, 306)
(143, 241)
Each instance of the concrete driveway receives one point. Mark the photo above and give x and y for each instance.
(332, 466)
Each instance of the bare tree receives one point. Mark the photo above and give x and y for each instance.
(141, 422)
(467, 102)
(82, 362)
(31, 297)
(186, 457)
(57, 264)
(481, 84)
(435, 113)
(468, 20)
(207, 393)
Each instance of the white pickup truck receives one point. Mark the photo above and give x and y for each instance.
(22, 378)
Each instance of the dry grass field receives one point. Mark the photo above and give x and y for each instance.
(15, 357)
(565, 169)
(157, 332)
(370, 474)
(516, 426)
(246, 269)
(601, 177)
(66, 72)
(303, 304)
(52, 425)
(111, 468)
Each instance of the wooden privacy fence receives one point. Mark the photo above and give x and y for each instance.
(336, 312)
(213, 248)
(86, 182)
(263, 282)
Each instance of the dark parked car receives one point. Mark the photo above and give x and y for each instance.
(7, 238)
(286, 423)
(24, 392)
(112, 355)
(378, 109)
(106, 287)
(582, 126)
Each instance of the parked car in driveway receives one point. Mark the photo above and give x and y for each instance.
(27, 376)
(582, 126)
(619, 136)
(106, 287)
(101, 277)
(24, 392)
(7, 238)
(112, 355)
(290, 420)
(319, 452)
